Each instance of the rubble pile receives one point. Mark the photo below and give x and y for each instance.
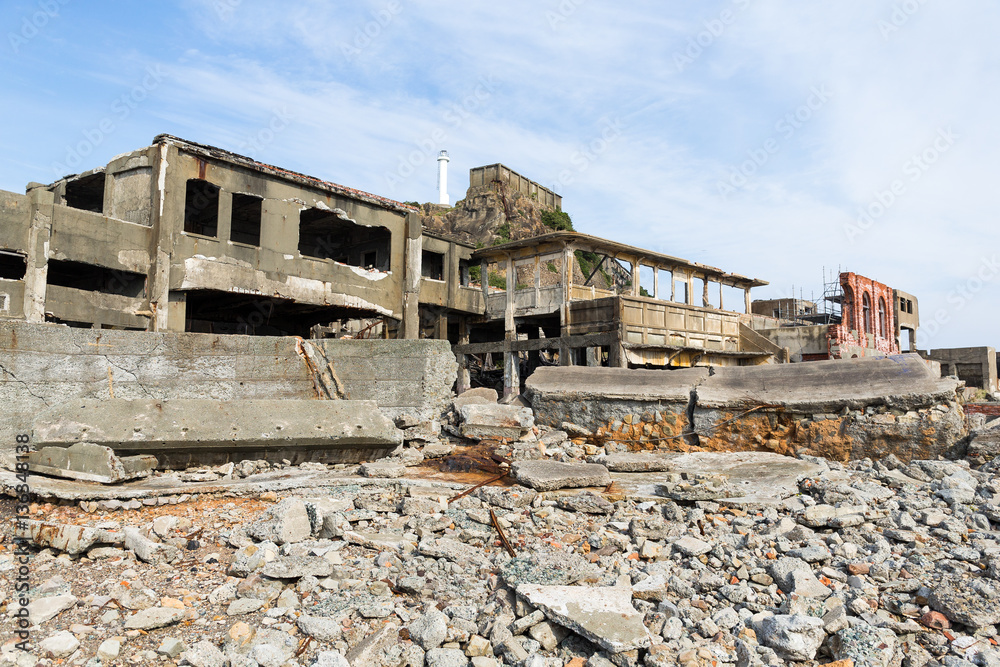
(883, 564)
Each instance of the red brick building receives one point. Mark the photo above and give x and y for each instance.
(868, 326)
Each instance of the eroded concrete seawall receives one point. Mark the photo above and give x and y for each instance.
(42, 366)
(837, 409)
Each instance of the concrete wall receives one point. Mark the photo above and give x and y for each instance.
(976, 366)
(43, 365)
(483, 176)
(800, 341)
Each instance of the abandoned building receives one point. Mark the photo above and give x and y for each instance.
(784, 309)
(184, 237)
(976, 366)
(180, 236)
(861, 318)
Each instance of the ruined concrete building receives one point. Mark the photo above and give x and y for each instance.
(863, 318)
(183, 237)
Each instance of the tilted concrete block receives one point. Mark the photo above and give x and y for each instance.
(183, 431)
(89, 462)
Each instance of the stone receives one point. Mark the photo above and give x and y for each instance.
(149, 551)
(974, 602)
(866, 646)
(430, 630)
(296, 567)
(548, 634)
(635, 462)
(203, 654)
(91, 463)
(366, 651)
(551, 475)
(794, 638)
(68, 538)
(171, 647)
(330, 659)
(485, 421)
(154, 617)
(47, 608)
(59, 645)
(692, 546)
(323, 629)
(446, 657)
(244, 606)
(251, 558)
(604, 615)
(109, 650)
(587, 502)
(548, 566)
(478, 646)
(383, 469)
(285, 523)
(453, 550)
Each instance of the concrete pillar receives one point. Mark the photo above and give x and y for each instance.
(673, 287)
(656, 283)
(37, 275)
(484, 280)
(721, 304)
(704, 292)
(746, 300)
(635, 277)
(177, 312)
(569, 259)
(411, 277)
(511, 371)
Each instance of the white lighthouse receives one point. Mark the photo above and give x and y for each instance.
(443, 160)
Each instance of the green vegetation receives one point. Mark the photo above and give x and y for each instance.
(557, 220)
(587, 261)
(551, 266)
(496, 279)
(415, 204)
(644, 292)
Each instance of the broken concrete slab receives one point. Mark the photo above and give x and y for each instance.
(635, 462)
(483, 421)
(545, 475)
(604, 614)
(89, 462)
(475, 396)
(181, 431)
(844, 409)
(68, 538)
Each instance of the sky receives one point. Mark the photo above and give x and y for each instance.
(778, 139)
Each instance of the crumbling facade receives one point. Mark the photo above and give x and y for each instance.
(976, 366)
(538, 299)
(184, 237)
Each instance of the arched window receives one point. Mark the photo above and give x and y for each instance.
(866, 307)
(882, 329)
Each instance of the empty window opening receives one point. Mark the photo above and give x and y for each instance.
(96, 278)
(245, 226)
(13, 265)
(734, 299)
(866, 308)
(713, 295)
(463, 273)
(909, 307)
(432, 265)
(681, 291)
(324, 235)
(87, 193)
(882, 328)
(664, 279)
(646, 281)
(698, 292)
(201, 208)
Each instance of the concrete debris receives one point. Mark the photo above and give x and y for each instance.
(90, 462)
(483, 421)
(179, 431)
(552, 475)
(604, 615)
(71, 539)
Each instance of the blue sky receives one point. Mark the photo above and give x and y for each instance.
(768, 138)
